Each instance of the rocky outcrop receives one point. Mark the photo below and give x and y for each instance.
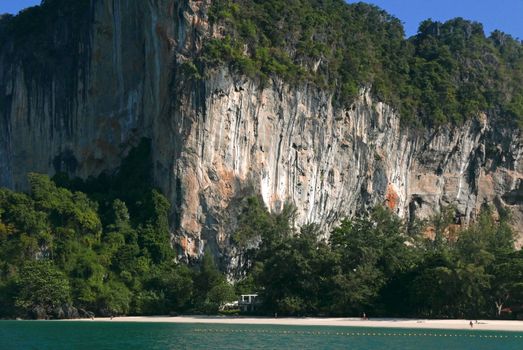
(290, 144)
(219, 138)
(61, 312)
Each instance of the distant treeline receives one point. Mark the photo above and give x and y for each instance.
(70, 248)
(378, 265)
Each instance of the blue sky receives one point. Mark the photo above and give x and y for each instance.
(506, 15)
(13, 6)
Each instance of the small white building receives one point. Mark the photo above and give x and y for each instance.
(248, 302)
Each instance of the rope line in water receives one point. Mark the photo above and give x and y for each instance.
(353, 334)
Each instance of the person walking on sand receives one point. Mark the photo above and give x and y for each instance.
(471, 324)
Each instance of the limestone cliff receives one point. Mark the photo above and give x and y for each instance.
(219, 138)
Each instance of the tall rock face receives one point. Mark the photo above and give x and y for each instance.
(77, 103)
(289, 144)
(119, 75)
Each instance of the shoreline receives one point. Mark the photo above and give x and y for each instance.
(490, 325)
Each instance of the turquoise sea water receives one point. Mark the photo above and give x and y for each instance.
(120, 335)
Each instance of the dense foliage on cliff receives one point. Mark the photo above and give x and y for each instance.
(448, 72)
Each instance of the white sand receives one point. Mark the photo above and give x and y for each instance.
(347, 322)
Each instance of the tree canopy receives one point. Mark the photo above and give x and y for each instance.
(447, 73)
(60, 248)
(102, 245)
(376, 264)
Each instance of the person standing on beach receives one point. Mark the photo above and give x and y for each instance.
(471, 324)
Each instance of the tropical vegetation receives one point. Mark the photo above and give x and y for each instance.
(379, 265)
(109, 253)
(446, 73)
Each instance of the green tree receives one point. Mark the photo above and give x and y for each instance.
(41, 285)
(370, 250)
(507, 283)
(211, 288)
(175, 283)
(113, 298)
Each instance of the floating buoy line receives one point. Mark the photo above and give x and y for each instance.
(355, 334)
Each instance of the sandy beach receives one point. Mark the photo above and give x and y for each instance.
(495, 325)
